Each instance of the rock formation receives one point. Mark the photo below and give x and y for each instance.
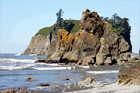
(38, 45)
(94, 43)
(129, 75)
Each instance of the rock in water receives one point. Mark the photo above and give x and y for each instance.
(44, 84)
(65, 79)
(29, 79)
(129, 75)
(40, 61)
(95, 43)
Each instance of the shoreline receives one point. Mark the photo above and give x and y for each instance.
(103, 88)
(110, 88)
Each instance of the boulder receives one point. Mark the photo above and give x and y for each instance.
(129, 75)
(29, 79)
(88, 82)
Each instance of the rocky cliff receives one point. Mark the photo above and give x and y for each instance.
(94, 43)
(39, 45)
(41, 40)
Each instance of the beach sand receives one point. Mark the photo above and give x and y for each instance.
(111, 88)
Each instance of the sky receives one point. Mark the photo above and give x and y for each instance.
(21, 19)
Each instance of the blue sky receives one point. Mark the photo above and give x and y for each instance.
(21, 19)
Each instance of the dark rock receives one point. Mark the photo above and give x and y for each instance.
(29, 79)
(129, 75)
(40, 61)
(65, 79)
(44, 84)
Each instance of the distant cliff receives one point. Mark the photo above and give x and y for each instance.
(95, 43)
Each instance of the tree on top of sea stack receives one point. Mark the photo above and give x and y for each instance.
(59, 15)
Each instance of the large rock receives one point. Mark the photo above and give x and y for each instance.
(72, 47)
(129, 75)
(39, 45)
(94, 43)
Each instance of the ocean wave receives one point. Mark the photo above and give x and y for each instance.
(103, 72)
(17, 60)
(84, 66)
(17, 67)
(54, 68)
(51, 64)
(17, 54)
(32, 54)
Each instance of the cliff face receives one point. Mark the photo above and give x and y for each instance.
(94, 43)
(38, 45)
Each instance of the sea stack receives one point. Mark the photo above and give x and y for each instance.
(95, 43)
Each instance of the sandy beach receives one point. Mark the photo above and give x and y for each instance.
(111, 88)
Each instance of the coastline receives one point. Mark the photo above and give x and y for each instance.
(103, 88)
(110, 88)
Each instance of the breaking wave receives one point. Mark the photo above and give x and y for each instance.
(16, 67)
(103, 72)
(17, 60)
(54, 68)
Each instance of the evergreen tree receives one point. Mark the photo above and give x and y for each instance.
(59, 16)
(120, 26)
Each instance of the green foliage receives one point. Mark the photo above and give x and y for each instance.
(44, 31)
(59, 15)
(120, 26)
(69, 25)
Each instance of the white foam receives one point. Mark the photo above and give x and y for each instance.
(32, 54)
(14, 67)
(17, 54)
(52, 64)
(53, 68)
(84, 66)
(17, 60)
(102, 72)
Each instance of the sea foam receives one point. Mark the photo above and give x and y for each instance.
(53, 68)
(17, 60)
(103, 72)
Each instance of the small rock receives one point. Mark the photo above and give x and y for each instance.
(44, 84)
(29, 79)
(88, 82)
(65, 79)
(40, 61)
(8, 91)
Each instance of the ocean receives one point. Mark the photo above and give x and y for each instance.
(16, 68)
